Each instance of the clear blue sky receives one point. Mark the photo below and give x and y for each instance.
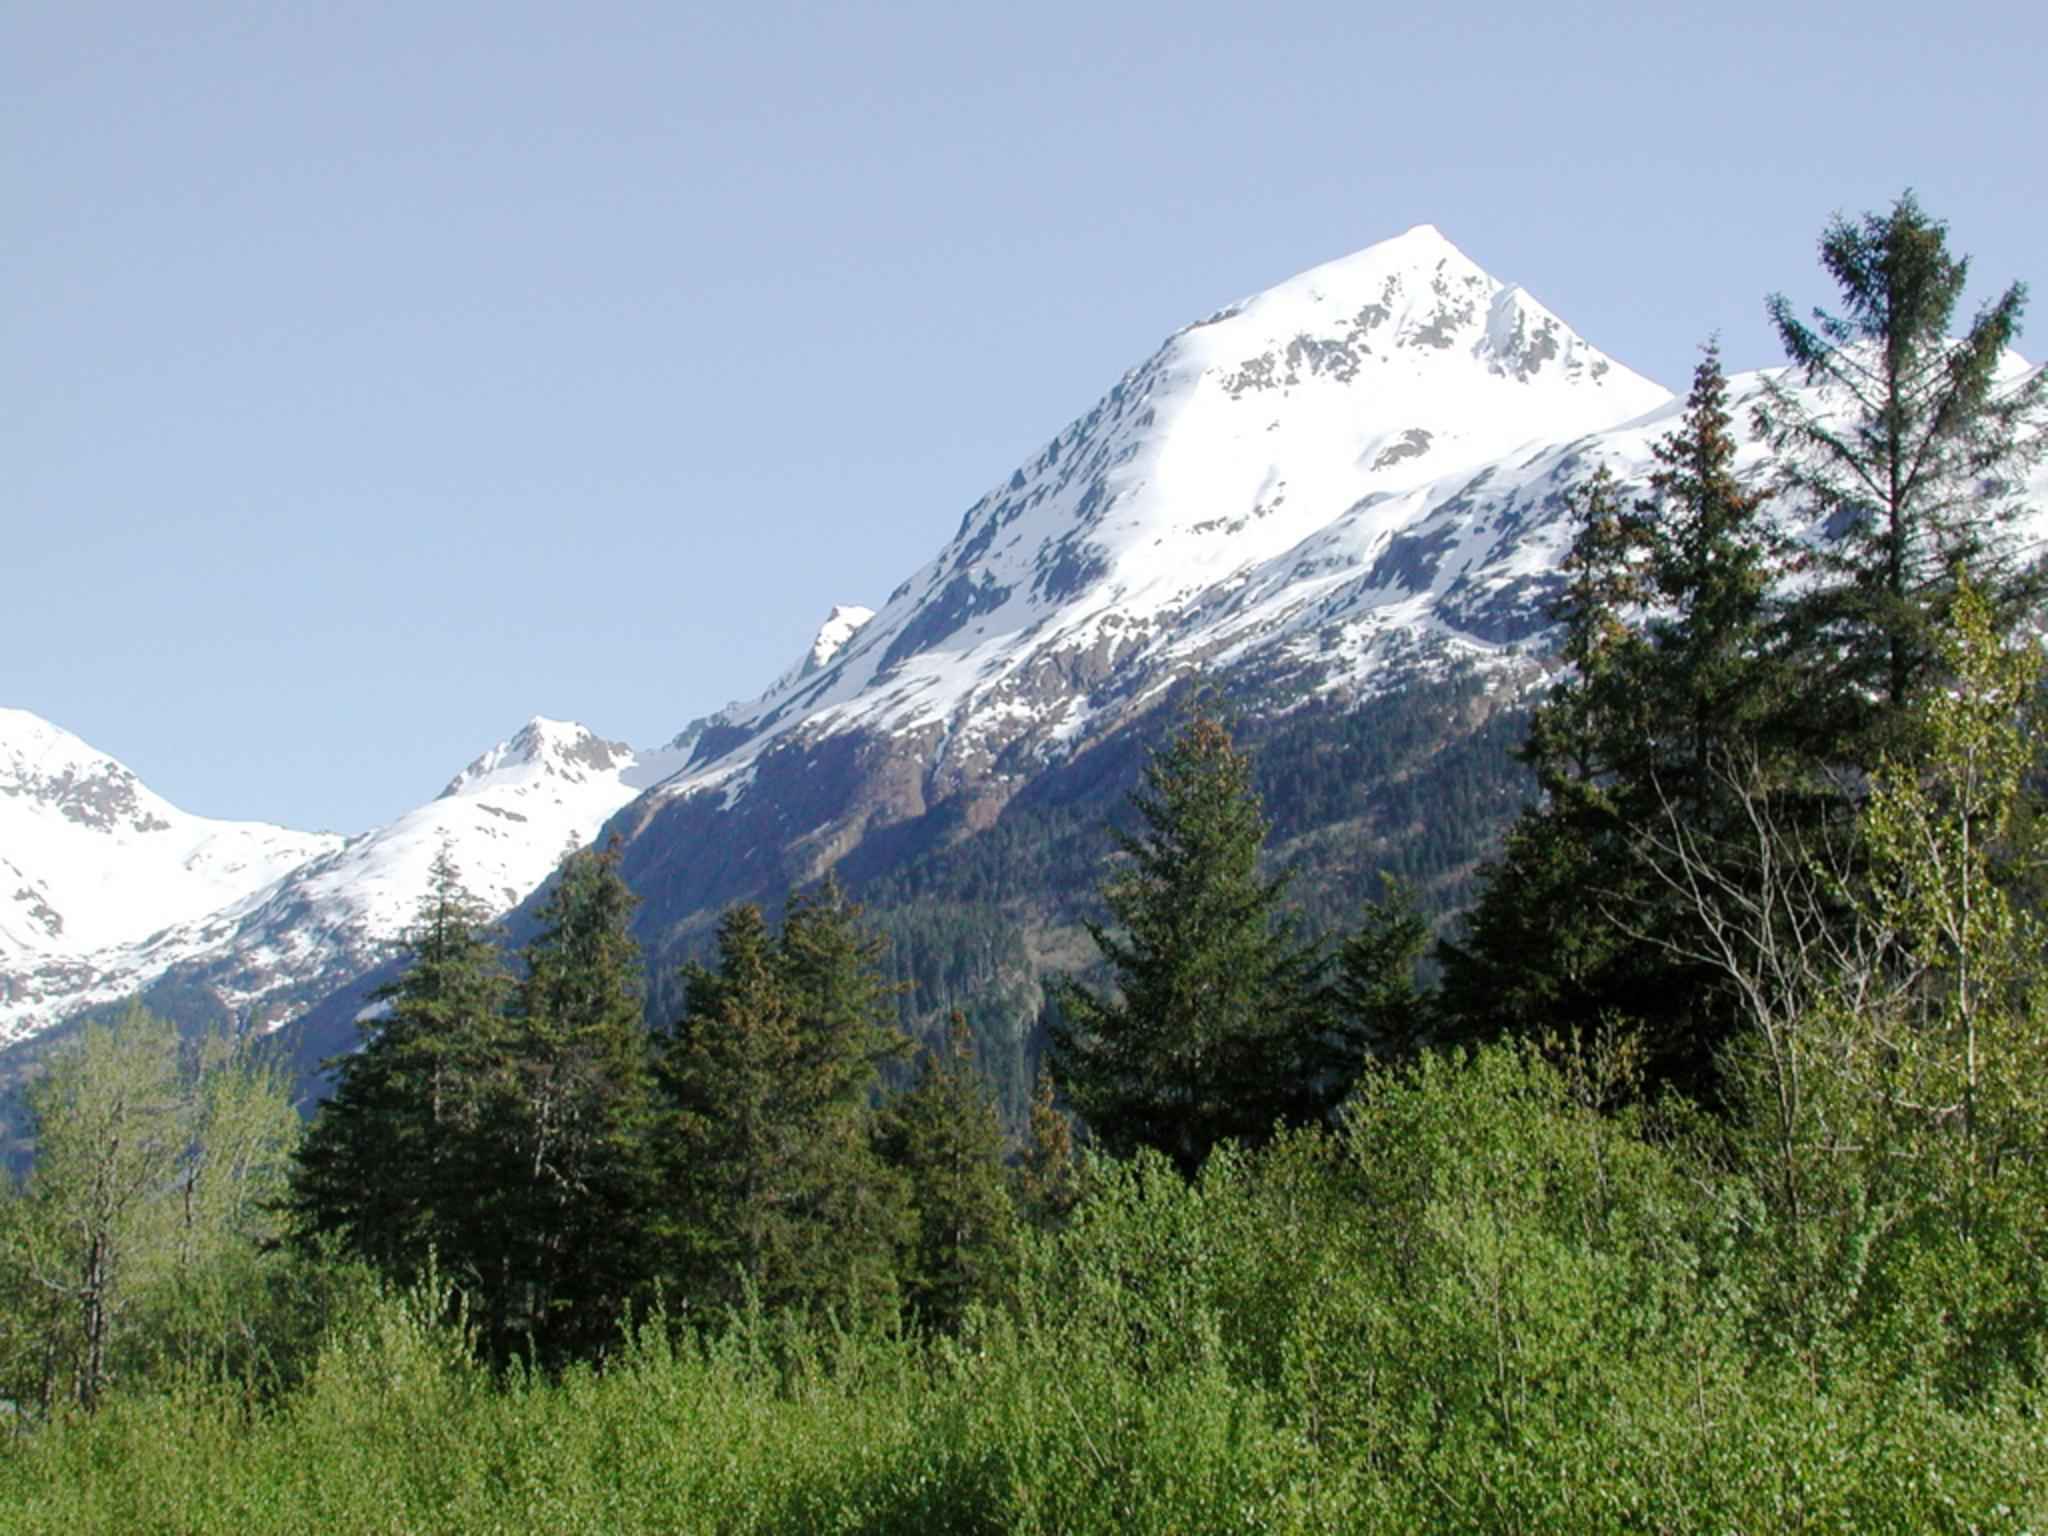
(373, 377)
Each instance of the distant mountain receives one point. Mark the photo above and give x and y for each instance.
(92, 861)
(1273, 484)
(119, 891)
(1339, 487)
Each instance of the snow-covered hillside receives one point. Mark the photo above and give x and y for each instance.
(1258, 475)
(281, 916)
(89, 857)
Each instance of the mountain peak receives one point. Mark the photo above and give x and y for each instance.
(1414, 304)
(841, 625)
(45, 764)
(1219, 465)
(91, 857)
(27, 737)
(541, 746)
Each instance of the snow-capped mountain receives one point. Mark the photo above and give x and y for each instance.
(262, 918)
(90, 858)
(1338, 488)
(1297, 480)
(1252, 480)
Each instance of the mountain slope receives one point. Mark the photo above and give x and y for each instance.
(259, 920)
(1342, 502)
(1293, 495)
(1211, 503)
(91, 859)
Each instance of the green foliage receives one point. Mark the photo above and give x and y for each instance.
(496, 1131)
(774, 1186)
(393, 1162)
(1382, 1012)
(1670, 632)
(1730, 693)
(1217, 1020)
(1963, 1059)
(566, 1139)
(138, 1246)
(1894, 1125)
(944, 1136)
(1915, 454)
(1482, 1306)
(1046, 1181)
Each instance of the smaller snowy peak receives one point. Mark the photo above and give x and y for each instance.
(841, 625)
(538, 748)
(47, 765)
(301, 912)
(93, 857)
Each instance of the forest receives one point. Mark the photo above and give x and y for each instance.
(1692, 1176)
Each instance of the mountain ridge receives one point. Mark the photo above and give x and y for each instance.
(1353, 483)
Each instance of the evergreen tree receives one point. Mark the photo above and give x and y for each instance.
(1216, 1026)
(1915, 448)
(572, 1122)
(945, 1136)
(775, 1184)
(393, 1164)
(1677, 681)
(1381, 1012)
(731, 1068)
(836, 970)
(1047, 1181)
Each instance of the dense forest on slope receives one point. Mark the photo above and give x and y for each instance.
(1405, 785)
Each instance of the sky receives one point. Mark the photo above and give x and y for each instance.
(374, 377)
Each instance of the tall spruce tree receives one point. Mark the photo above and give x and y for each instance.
(774, 1185)
(1381, 1013)
(945, 1135)
(572, 1125)
(732, 1141)
(393, 1164)
(1217, 1020)
(1678, 680)
(1914, 446)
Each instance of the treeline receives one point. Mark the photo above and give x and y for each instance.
(532, 1143)
(1708, 1189)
